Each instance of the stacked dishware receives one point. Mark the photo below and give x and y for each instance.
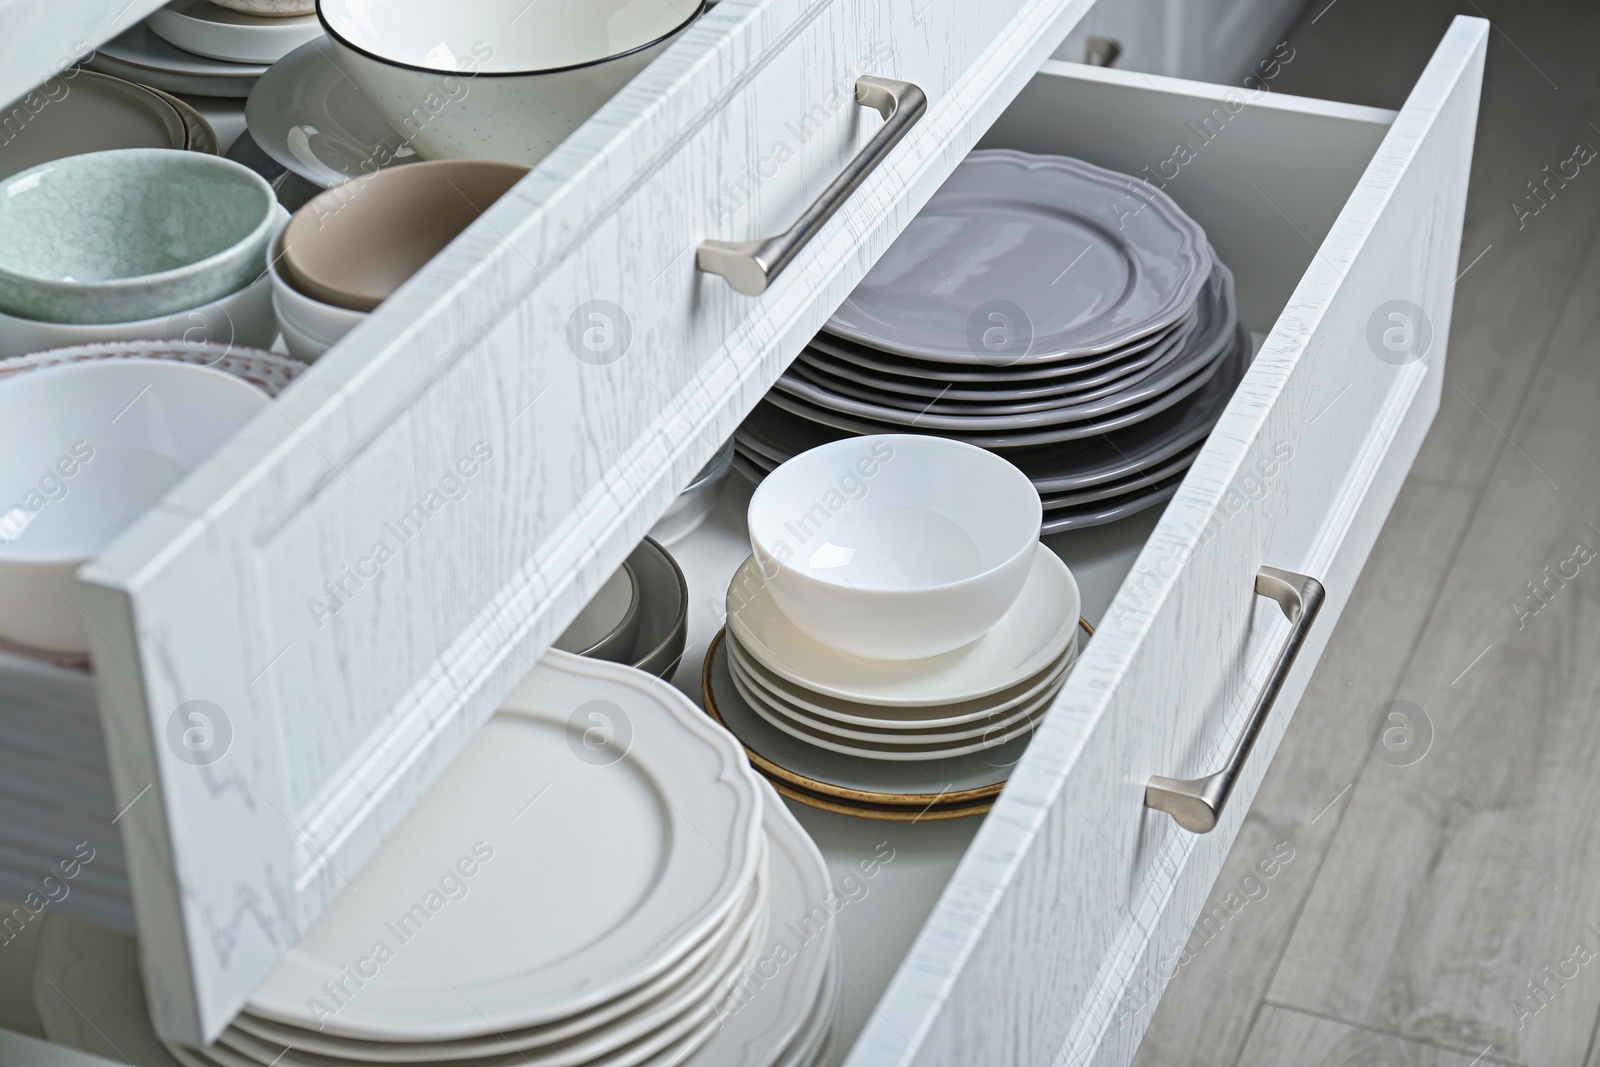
(136, 243)
(639, 616)
(596, 879)
(91, 437)
(209, 47)
(80, 111)
(899, 631)
(348, 249)
(1068, 317)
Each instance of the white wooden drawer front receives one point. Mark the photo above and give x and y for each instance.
(355, 581)
(1070, 910)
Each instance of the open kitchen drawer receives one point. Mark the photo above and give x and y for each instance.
(1335, 220)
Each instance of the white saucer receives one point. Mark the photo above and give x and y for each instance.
(205, 29)
(1027, 639)
(901, 750)
(872, 781)
(934, 717)
(777, 710)
(645, 830)
(308, 116)
(764, 1024)
(140, 56)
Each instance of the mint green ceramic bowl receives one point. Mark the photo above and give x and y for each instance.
(130, 234)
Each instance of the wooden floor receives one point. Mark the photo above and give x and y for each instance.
(1442, 903)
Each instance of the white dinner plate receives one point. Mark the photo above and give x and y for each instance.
(306, 114)
(896, 750)
(1064, 258)
(871, 781)
(646, 823)
(933, 717)
(580, 1039)
(1027, 639)
(630, 1039)
(766, 698)
(769, 1018)
(140, 56)
(215, 32)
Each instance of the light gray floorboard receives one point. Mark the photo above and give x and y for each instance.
(1286, 1036)
(1454, 883)
(1208, 1008)
(1505, 333)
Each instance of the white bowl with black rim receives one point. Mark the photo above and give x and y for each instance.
(496, 79)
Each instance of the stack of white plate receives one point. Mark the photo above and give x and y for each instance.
(597, 879)
(925, 738)
(1069, 317)
(193, 46)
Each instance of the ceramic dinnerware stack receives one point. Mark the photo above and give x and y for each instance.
(80, 111)
(136, 243)
(208, 47)
(640, 615)
(1068, 317)
(592, 881)
(348, 249)
(899, 631)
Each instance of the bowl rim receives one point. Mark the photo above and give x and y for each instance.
(269, 218)
(342, 42)
(300, 278)
(172, 367)
(764, 552)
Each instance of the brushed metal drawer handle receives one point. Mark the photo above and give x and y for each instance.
(1197, 803)
(751, 266)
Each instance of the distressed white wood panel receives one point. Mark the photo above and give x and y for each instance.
(1073, 895)
(38, 40)
(354, 582)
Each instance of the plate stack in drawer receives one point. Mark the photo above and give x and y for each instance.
(1071, 318)
(59, 850)
(597, 880)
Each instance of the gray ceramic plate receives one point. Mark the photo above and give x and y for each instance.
(308, 116)
(663, 609)
(974, 372)
(1070, 422)
(140, 56)
(1172, 358)
(775, 435)
(1023, 258)
(1062, 377)
(1080, 518)
(97, 112)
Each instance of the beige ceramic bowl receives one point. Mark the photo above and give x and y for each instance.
(355, 244)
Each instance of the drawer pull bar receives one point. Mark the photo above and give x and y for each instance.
(751, 266)
(1197, 803)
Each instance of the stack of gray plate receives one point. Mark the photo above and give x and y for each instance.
(1072, 318)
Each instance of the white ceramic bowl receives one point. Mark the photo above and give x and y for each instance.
(496, 79)
(309, 326)
(270, 8)
(85, 448)
(895, 546)
(241, 318)
(130, 234)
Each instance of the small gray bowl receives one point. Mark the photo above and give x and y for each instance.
(130, 234)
